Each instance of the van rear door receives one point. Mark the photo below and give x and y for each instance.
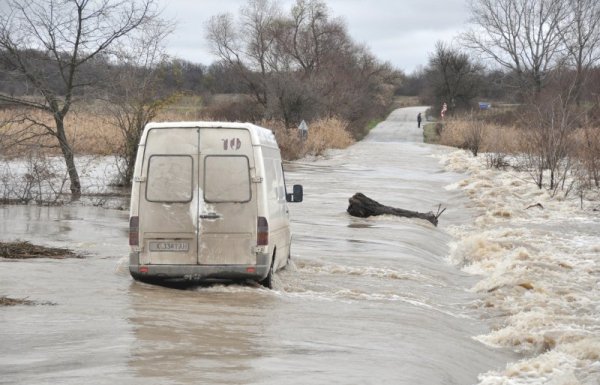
(198, 204)
(168, 204)
(228, 209)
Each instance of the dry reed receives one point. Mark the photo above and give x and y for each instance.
(93, 132)
(88, 133)
(495, 138)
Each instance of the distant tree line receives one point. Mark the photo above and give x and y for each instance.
(516, 51)
(176, 75)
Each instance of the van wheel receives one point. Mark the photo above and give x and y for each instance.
(268, 281)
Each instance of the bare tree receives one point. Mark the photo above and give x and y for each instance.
(309, 35)
(473, 136)
(247, 46)
(49, 42)
(580, 34)
(549, 137)
(301, 65)
(258, 19)
(137, 93)
(520, 35)
(452, 77)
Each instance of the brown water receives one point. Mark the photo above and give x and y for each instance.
(366, 301)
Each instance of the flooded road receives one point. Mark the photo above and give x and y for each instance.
(366, 301)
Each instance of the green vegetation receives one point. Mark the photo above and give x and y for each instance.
(431, 132)
(372, 123)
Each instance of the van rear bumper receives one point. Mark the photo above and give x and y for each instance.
(158, 273)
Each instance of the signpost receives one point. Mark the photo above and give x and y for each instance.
(303, 129)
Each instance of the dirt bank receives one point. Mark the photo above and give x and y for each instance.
(26, 250)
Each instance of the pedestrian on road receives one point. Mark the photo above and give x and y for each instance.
(419, 120)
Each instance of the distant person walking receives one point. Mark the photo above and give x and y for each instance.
(419, 120)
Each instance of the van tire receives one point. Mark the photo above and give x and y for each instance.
(268, 280)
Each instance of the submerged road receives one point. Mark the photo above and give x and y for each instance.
(366, 301)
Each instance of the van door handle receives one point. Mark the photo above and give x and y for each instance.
(210, 216)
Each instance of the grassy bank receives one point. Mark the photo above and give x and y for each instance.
(430, 133)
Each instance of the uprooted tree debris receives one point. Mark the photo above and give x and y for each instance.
(7, 301)
(362, 206)
(25, 250)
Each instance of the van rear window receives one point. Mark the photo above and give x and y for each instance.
(170, 178)
(226, 179)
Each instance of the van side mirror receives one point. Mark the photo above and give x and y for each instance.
(296, 195)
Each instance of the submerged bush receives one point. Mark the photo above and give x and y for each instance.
(323, 134)
(327, 133)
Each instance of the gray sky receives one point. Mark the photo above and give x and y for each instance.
(402, 32)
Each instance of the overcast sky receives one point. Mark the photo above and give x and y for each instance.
(402, 32)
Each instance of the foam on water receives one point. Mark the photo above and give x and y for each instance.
(538, 257)
(367, 271)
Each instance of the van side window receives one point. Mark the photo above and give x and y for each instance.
(226, 179)
(170, 178)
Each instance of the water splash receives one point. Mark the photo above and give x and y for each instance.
(538, 256)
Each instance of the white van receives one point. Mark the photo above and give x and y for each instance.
(209, 202)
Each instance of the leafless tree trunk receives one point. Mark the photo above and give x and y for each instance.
(360, 205)
(50, 41)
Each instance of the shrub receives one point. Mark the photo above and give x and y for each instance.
(587, 143)
(439, 127)
(473, 136)
(289, 141)
(549, 139)
(327, 133)
(496, 160)
(323, 134)
(431, 132)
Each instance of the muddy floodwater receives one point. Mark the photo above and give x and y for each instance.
(365, 301)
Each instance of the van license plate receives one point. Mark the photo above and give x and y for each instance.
(169, 246)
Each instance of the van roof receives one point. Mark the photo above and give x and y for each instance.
(259, 135)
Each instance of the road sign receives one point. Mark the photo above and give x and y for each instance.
(303, 128)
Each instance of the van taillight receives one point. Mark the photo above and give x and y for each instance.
(134, 228)
(262, 233)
